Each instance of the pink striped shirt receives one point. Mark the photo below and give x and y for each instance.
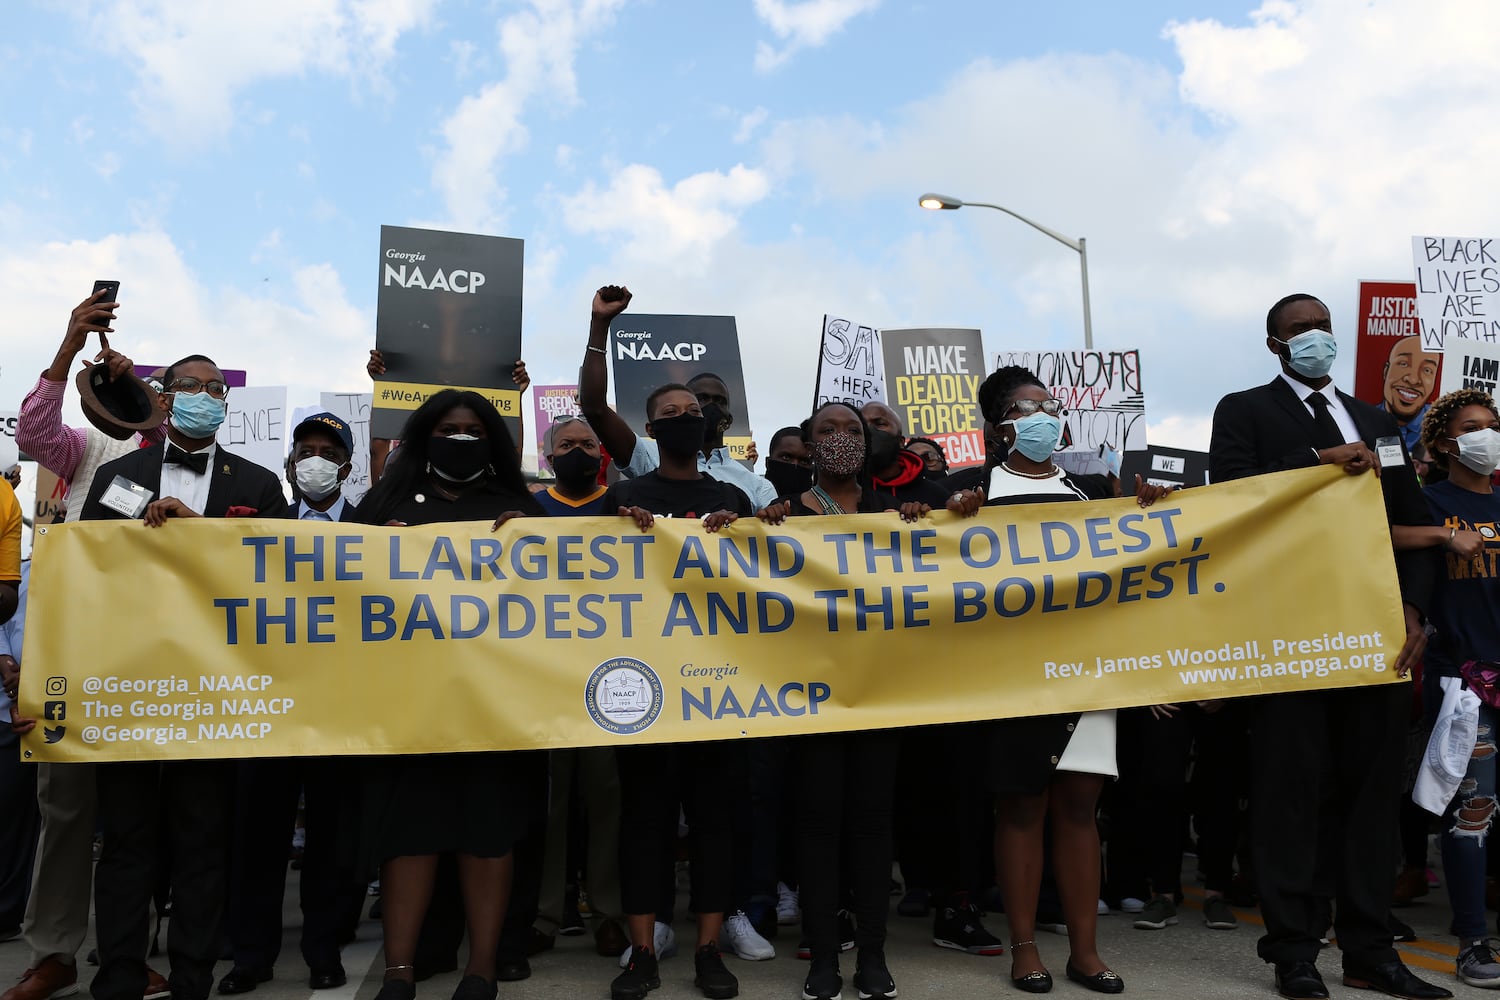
(42, 435)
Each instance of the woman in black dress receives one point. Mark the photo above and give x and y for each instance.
(456, 462)
(1049, 767)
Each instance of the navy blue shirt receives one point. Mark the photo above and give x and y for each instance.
(1466, 606)
(554, 504)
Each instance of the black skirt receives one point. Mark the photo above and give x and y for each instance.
(1023, 753)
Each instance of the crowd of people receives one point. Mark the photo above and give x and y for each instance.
(1304, 804)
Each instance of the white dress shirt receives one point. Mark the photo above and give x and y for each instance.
(1336, 408)
(186, 485)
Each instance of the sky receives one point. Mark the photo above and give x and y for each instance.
(231, 164)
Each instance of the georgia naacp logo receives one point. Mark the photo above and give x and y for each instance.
(623, 696)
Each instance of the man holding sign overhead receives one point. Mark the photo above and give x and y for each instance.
(637, 457)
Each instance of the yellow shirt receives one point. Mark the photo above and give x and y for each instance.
(10, 534)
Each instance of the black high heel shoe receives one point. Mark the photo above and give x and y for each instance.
(1032, 982)
(1099, 982)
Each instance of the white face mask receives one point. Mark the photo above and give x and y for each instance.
(1480, 450)
(317, 477)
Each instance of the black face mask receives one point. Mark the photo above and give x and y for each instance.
(716, 419)
(681, 435)
(789, 478)
(576, 468)
(457, 459)
(884, 446)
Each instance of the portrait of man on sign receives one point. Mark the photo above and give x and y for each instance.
(1410, 381)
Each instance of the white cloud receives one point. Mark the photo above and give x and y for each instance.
(803, 24)
(538, 45)
(307, 337)
(682, 221)
(1297, 152)
(193, 59)
(749, 123)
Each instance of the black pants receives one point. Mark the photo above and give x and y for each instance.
(17, 834)
(1148, 806)
(653, 781)
(1220, 789)
(266, 794)
(187, 804)
(1326, 777)
(946, 819)
(765, 854)
(845, 790)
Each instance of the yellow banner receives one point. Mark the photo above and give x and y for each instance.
(225, 638)
(410, 395)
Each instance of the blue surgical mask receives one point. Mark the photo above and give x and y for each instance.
(1037, 436)
(197, 414)
(1311, 354)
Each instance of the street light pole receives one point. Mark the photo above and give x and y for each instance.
(942, 201)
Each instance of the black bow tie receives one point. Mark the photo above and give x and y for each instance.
(195, 460)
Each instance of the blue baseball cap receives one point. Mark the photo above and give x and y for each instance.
(327, 423)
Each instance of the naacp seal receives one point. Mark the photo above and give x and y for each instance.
(623, 696)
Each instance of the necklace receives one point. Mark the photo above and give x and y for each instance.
(1030, 475)
(828, 503)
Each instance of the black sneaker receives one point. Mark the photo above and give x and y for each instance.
(716, 982)
(872, 980)
(640, 977)
(474, 988)
(960, 928)
(824, 981)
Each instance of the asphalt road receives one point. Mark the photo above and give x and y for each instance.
(1187, 961)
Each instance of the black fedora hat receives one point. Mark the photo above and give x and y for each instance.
(121, 406)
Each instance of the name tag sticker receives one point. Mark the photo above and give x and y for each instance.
(127, 498)
(1389, 450)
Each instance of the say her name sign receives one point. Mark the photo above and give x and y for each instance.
(1101, 389)
(851, 368)
(1458, 289)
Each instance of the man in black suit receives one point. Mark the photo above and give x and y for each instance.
(1327, 764)
(266, 790)
(185, 803)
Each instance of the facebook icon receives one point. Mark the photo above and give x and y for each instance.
(55, 711)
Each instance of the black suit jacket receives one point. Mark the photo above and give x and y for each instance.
(349, 514)
(236, 482)
(1268, 429)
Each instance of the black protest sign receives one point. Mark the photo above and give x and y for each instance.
(647, 351)
(932, 381)
(1164, 467)
(448, 316)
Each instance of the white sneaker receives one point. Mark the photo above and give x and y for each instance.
(664, 940)
(1132, 905)
(1103, 910)
(788, 905)
(741, 937)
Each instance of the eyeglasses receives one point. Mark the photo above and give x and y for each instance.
(192, 386)
(1051, 407)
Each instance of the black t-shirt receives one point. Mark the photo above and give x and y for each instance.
(678, 497)
(1466, 606)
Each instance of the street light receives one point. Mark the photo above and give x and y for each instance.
(943, 201)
